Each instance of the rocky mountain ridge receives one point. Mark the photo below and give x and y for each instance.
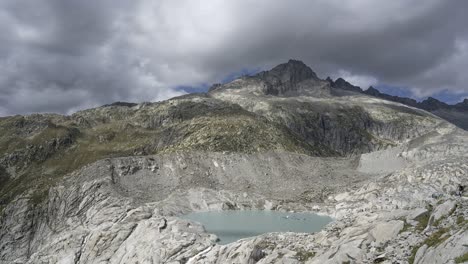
(456, 113)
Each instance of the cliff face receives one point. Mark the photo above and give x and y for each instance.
(98, 186)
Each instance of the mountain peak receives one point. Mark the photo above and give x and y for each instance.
(292, 77)
(343, 84)
(432, 99)
(431, 104)
(285, 77)
(372, 91)
(293, 71)
(463, 105)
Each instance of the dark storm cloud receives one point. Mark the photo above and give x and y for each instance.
(59, 56)
(64, 55)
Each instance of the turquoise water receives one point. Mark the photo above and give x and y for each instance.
(230, 226)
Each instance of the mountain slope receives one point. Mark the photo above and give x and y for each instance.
(39, 149)
(307, 106)
(106, 185)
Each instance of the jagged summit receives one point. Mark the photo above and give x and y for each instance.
(287, 78)
(463, 105)
(292, 78)
(433, 104)
(341, 83)
(294, 71)
(372, 91)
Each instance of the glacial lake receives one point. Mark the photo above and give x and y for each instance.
(230, 226)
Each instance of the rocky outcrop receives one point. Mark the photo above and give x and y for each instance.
(290, 79)
(39, 150)
(285, 78)
(341, 83)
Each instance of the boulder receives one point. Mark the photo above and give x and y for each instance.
(443, 209)
(416, 213)
(386, 230)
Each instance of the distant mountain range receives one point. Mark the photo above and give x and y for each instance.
(456, 113)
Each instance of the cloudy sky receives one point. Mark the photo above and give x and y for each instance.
(65, 55)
